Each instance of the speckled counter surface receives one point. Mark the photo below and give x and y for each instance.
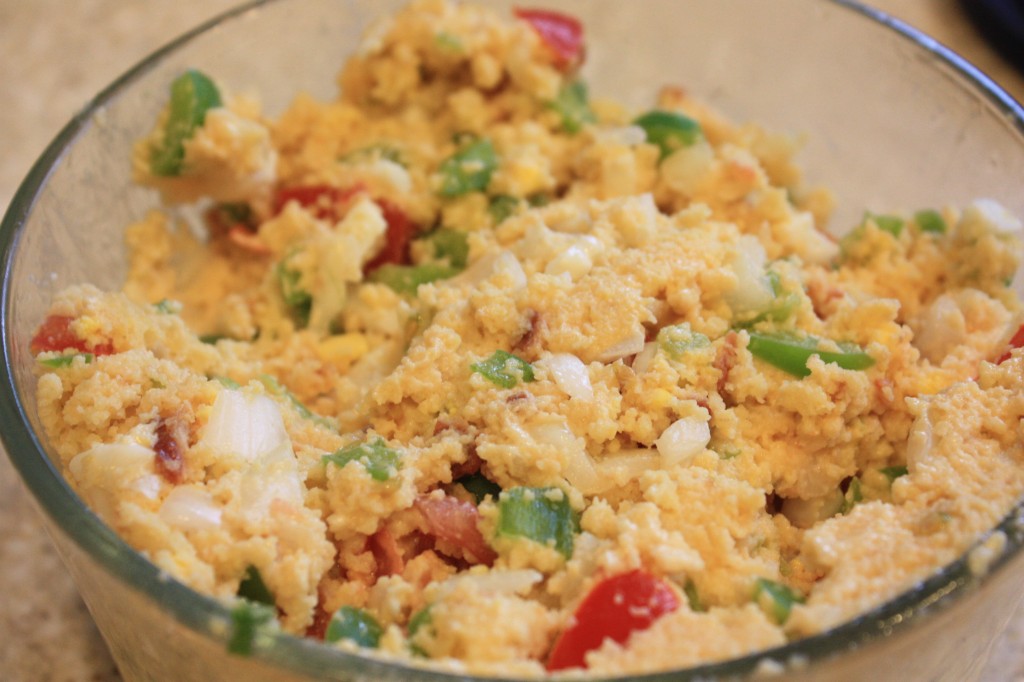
(54, 55)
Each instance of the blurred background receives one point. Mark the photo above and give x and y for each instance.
(54, 56)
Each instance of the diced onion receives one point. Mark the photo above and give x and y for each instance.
(625, 466)
(643, 359)
(684, 439)
(684, 168)
(570, 375)
(993, 214)
(631, 345)
(246, 426)
(187, 507)
(753, 291)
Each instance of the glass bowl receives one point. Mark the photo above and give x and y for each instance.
(892, 120)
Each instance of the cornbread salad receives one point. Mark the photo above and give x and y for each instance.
(473, 369)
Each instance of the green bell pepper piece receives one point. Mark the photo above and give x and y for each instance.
(192, 95)
(791, 353)
(536, 514)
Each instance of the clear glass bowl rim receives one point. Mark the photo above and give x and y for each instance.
(207, 616)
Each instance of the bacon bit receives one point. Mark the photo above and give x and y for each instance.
(171, 441)
(725, 360)
(561, 33)
(455, 423)
(529, 343)
(323, 201)
(55, 334)
(321, 619)
(822, 298)
(243, 237)
(396, 239)
(517, 397)
(883, 390)
(386, 553)
(1015, 342)
(455, 522)
(471, 466)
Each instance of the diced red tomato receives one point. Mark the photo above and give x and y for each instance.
(1015, 342)
(321, 619)
(454, 521)
(386, 552)
(561, 33)
(397, 238)
(324, 201)
(55, 334)
(614, 609)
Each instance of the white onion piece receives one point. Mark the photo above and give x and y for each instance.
(684, 439)
(631, 345)
(813, 245)
(570, 375)
(148, 486)
(106, 471)
(806, 513)
(504, 263)
(992, 214)
(919, 442)
(623, 467)
(244, 425)
(683, 169)
(574, 261)
(187, 507)
(753, 292)
(643, 359)
(579, 470)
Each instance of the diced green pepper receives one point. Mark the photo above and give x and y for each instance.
(775, 599)
(504, 369)
(678, 340)
(930, 221)
(295, 297)
(669, 130)
(448, 42)
(354, 625)
(277, 389)
(419, 620)
(212, 338)
(887, 223)
(894, 472)
(791, 353)
(58, 361)
(501, 207)
(406, 279)
(192, 95)
(253, 588)
(167, 307)
(573, 106)
(479, 486)
(852, 496)
(226, 382)
(540, 514)
(380, 461)
(690, 590)
(469, 169)
(248, 621)
(451, 245)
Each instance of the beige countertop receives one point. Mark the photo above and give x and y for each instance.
(54, 55)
